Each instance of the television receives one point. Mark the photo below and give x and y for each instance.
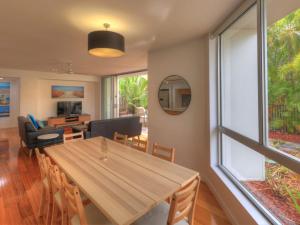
(69, 108)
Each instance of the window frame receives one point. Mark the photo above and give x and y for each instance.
(261, 146)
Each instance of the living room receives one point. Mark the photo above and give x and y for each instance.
(32, 94)
(150, 112)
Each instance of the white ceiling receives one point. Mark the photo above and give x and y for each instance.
(42, 34)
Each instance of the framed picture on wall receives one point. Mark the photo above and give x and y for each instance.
(4, 99)
(58, 91)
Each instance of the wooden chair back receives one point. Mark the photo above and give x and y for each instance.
(55, 178)
(139, 144)
(43, 166)
(183, 203)
(39, 157)
(163, 152)
(121, 138)
(73, 137)
(73, 201)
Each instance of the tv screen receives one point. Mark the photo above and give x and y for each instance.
(69, 108)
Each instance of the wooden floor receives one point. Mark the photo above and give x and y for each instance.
(20, 188)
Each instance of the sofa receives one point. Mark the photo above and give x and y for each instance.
(28, 134)
(130, 126)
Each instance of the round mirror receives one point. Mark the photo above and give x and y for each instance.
(174, 95)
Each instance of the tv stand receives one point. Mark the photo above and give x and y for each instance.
(70, 120)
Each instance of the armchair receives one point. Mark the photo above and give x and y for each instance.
(28, 135)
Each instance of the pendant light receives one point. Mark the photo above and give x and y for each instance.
(106, 43)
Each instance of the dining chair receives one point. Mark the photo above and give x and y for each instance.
(121, 138)
(73, 137)
(58, 207)
(77, 213)
(139, 144)
(45, 202)
(163, 152)
(180, 212)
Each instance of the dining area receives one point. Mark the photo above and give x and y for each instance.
(103, 181)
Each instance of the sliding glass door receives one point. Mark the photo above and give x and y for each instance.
(125, 95)
(109, 97)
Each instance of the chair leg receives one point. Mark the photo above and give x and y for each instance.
(21, 143)
(46, 210)
(64, 218)
(42, 203)
(54, 214)
(45, 206)
(30, 152)
(49, 209)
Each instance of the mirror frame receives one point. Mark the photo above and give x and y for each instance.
(161, 83)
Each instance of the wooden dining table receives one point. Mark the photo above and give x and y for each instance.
(127, 184)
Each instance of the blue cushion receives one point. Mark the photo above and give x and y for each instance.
(33, 121)
(41, 124)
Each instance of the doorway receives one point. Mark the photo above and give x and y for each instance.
(126, 95)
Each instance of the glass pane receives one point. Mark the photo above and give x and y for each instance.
(283, 45)
(239, 76)
(276, 187)
(133, 94)
(107, 98)
(133, 97)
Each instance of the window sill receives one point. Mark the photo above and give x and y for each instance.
(251, 209)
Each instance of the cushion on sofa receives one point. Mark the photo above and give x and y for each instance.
(33, 121)
(41, 124)
(30, 127)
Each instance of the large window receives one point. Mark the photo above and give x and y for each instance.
(259, 106)
(283, 44)
(239, 76)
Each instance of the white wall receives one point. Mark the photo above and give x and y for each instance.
(187, 132)
(46, 105)
(35, 92)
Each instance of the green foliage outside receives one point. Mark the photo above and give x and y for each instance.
(284, 71)
(295, 196)
(283, 42)
(133, 92)
(284, 183)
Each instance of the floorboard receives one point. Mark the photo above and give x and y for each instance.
(20, 188)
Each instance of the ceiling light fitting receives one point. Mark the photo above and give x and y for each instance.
(105, 43)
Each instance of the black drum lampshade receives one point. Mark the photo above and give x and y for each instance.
(106, 43)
